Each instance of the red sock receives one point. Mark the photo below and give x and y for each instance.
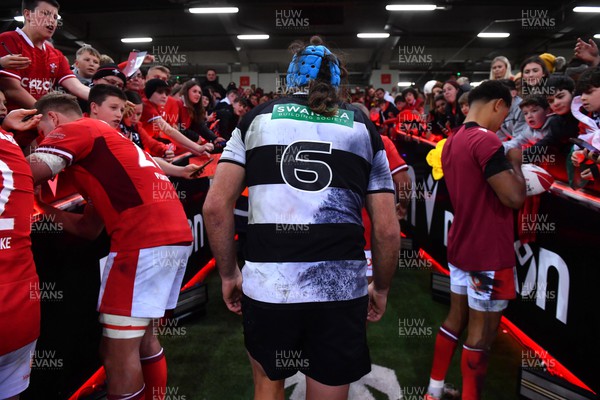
(474, 364)
(154, 369)
(445, 344)
(139, 395)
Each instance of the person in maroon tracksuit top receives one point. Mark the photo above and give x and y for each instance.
(485, 186)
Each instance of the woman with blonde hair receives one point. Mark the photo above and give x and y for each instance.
(500, 68)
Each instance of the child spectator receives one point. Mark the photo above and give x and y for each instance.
(413, 101)
(400, 102)
(535, 110)
(87, 62)
(227, 102)
(22, 87)
(514, 124)
(106, 59)
(589, 115)
(560, 89)
(131, 128)
(107, 103)
(228, 119)
(157, 92)
(463, 102)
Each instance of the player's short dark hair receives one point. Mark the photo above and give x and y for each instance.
(211, 69)
(58, 102)
(399, 98)
(99, 93)
(508, 83)
(230, 91)
(535, 100)
(490, 91)
(589, 79)
(133, 97)
(560, 82)
(32, 4)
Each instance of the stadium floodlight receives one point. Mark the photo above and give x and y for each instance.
(137, 40)
(382, 35)
(213, 10)
(493, 35)
(252, 37)
(410, 7)
(587, 9)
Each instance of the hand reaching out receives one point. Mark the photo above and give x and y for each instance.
(14, 120)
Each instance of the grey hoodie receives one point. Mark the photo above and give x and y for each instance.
(529, 136)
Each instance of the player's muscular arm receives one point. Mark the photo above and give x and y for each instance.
(218, 216)
(181, 139)
(509, 184)
(41, 168)
(385, 238)
(76, 88)
(88, 225)
(15, 93)
(385, 241)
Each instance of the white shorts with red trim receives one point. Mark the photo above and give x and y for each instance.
(143, 283)
(487, 291)
(15, 369)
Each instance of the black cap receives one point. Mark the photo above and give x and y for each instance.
(109, 70)
(153, 85)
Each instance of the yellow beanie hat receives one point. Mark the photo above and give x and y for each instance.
(548, 59)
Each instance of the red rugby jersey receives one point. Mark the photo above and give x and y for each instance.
(481, 236)
(397, 164)
(19, 287)
(135, 199)
(48, 65)
(170, 113)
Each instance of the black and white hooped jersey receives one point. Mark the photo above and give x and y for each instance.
(307, 178)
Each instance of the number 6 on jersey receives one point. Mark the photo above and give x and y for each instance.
(302, 173)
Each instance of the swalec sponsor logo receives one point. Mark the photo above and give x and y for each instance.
(303, 113)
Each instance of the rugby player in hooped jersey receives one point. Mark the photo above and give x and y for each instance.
(133, 198)
(485, 186)
(310, 163)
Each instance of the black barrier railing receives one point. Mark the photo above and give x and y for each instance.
(557, 271)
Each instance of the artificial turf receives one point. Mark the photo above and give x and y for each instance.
(207, 359)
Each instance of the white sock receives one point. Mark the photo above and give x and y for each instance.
(435, 388)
